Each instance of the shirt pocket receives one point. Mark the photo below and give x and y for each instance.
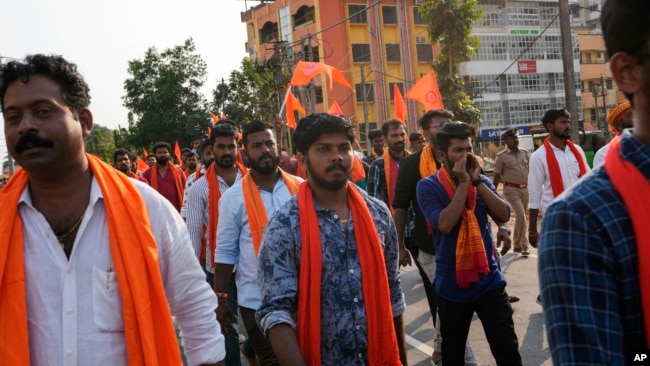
(107, 302)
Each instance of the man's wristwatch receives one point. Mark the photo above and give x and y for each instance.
(503, 227)
(477, 182)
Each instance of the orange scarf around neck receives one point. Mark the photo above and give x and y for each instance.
(623, 176)
(214, 195)
(382, 341)
(358, 173)
(148, 328)
(176, 173)
(554, 172)
(390, 173)
(257, 218)
(471, 258)
(427, 162)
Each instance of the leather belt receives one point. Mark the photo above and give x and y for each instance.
(515, 185)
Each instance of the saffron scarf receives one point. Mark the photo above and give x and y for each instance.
(300, 172)
(623, 176)
(471, 258)
(382, 340)
(554, 172)
(148, 328)
(427, 162)
(176, 173)
(257, 218)
(358, 173)
(214, 195)
(390, 171)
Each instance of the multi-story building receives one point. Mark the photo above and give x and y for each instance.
(517, 73)
(375, 44)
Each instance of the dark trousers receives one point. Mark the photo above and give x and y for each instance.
(261, 345)
(495, 313)
(428, 287)
(233, 358)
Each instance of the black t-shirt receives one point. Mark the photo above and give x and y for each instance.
(408, 177)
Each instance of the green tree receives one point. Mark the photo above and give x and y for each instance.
(251, 92)
(450, 25)
(101, 142)
(164, 99)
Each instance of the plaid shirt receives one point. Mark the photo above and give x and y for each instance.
(377, 187)
(588, 271)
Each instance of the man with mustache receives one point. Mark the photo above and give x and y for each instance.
(166, 177)
(93, 264)
(192, 160)
(554, 167)
(457, 201)
(203, 218)
(123, 163)
(382, 175)
(329, 273)
(246, 207)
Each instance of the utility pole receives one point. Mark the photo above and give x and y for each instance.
(312, 87)
(365, 111)
(604, 93)
(569, 72)
(223, 94)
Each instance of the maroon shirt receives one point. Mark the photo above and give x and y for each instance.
(166, 186)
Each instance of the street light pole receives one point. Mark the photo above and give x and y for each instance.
(365, 110)
(569, 72)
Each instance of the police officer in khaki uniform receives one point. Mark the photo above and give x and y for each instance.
(511, 168)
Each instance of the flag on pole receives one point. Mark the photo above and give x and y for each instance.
(426, 92)
(293, 104)
(223, 116)
(209, 131)
(215, 119)
(144, 151)
(399, 105)
(177, 152)
(141, 166)
(305, 71)
(335, 109)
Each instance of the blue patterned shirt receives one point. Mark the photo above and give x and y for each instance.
(343, 317)
(589, 273)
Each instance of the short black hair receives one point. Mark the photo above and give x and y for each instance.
(255, 126)
(626, 28)
(390, 124)
(311, 127)
(373, 134)
(74, 89)
(160, 145)
(425, 121)
(206, 143)
(190, 154)
(222, 130)
(553, 114)
(121, 151)
(452, 130)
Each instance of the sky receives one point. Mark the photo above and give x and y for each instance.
(102, 37)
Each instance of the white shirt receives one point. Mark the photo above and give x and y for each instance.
(188, 183)
(198, 214)
(599, 158)
(74, 307)
(539, 181)
(236, 242)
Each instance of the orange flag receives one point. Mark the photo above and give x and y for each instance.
(335, 109)
(400, 106)
(426, 92)
(177, 152)
(223, 116)
(305, 71)
(209, 131)
(141, 165)
(293, 104)
(144, 151)
(215, 119)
